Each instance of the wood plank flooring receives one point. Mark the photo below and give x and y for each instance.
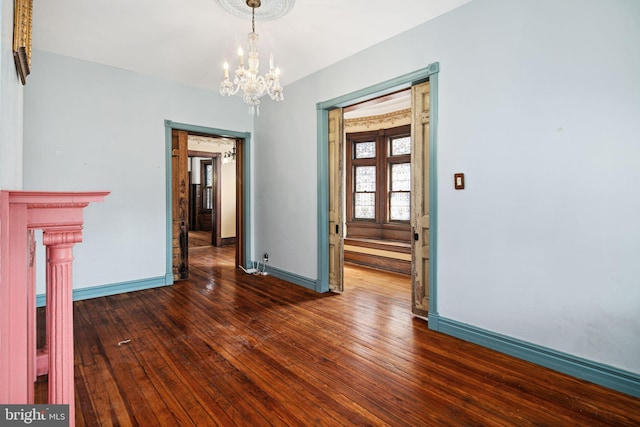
(225, 348)
(198, 239)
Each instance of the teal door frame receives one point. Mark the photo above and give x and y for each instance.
(246, 168)
(429, 73)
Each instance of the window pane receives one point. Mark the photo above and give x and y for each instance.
(401, 177)
(208, 175)
(400, 207)
(365, 178)
(365, 150)
(207, 203)
(401, 146)
(365, 205)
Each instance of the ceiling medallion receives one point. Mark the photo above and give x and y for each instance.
(266, 10)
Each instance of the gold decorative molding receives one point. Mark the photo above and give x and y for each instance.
(382, 121)
(22, 24)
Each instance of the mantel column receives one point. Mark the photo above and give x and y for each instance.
(59, 243)
(59, 215)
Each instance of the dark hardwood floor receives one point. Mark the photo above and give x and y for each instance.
(227, 348)
(198, 239)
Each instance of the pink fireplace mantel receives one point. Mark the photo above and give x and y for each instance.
(59, 215)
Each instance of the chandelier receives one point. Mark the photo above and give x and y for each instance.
(248, 80)
(230, 156)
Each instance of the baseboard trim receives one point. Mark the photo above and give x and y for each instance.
(378, 262)
(226, 241)
(292, 277)
(112, 289)
(598, 373)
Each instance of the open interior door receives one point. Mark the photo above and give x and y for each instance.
(420, 123)
(180, 203)
(241, 258)
(336, 239)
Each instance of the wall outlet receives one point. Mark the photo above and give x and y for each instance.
(266, 257)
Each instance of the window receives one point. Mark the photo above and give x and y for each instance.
(379, 184)
(207, 185)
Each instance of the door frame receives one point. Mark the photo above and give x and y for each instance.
(405, 81)
(216, 220)
(243, 189)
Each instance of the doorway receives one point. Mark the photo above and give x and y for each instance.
(180, 193)
(423, 84)
(212, 189)
(376, 163)
(203, 198)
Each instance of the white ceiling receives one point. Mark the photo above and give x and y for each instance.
(382, 105)
(188, 40)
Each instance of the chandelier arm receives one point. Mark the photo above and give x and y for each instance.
(235, 90)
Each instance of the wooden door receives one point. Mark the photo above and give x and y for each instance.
(336, 239)
(240, 216)
(420, 123)
(216, 227)
(180, 204)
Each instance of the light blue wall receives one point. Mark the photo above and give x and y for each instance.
(11, 96)
(538, 105)
(540, 108)
(92, 127)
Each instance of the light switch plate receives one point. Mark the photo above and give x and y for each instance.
(458, 181)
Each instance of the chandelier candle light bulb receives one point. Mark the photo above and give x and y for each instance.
(241, 56)
(252, 84)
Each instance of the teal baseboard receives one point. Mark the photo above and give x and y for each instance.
(292, 277)
(113, 289)
(598, 373)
